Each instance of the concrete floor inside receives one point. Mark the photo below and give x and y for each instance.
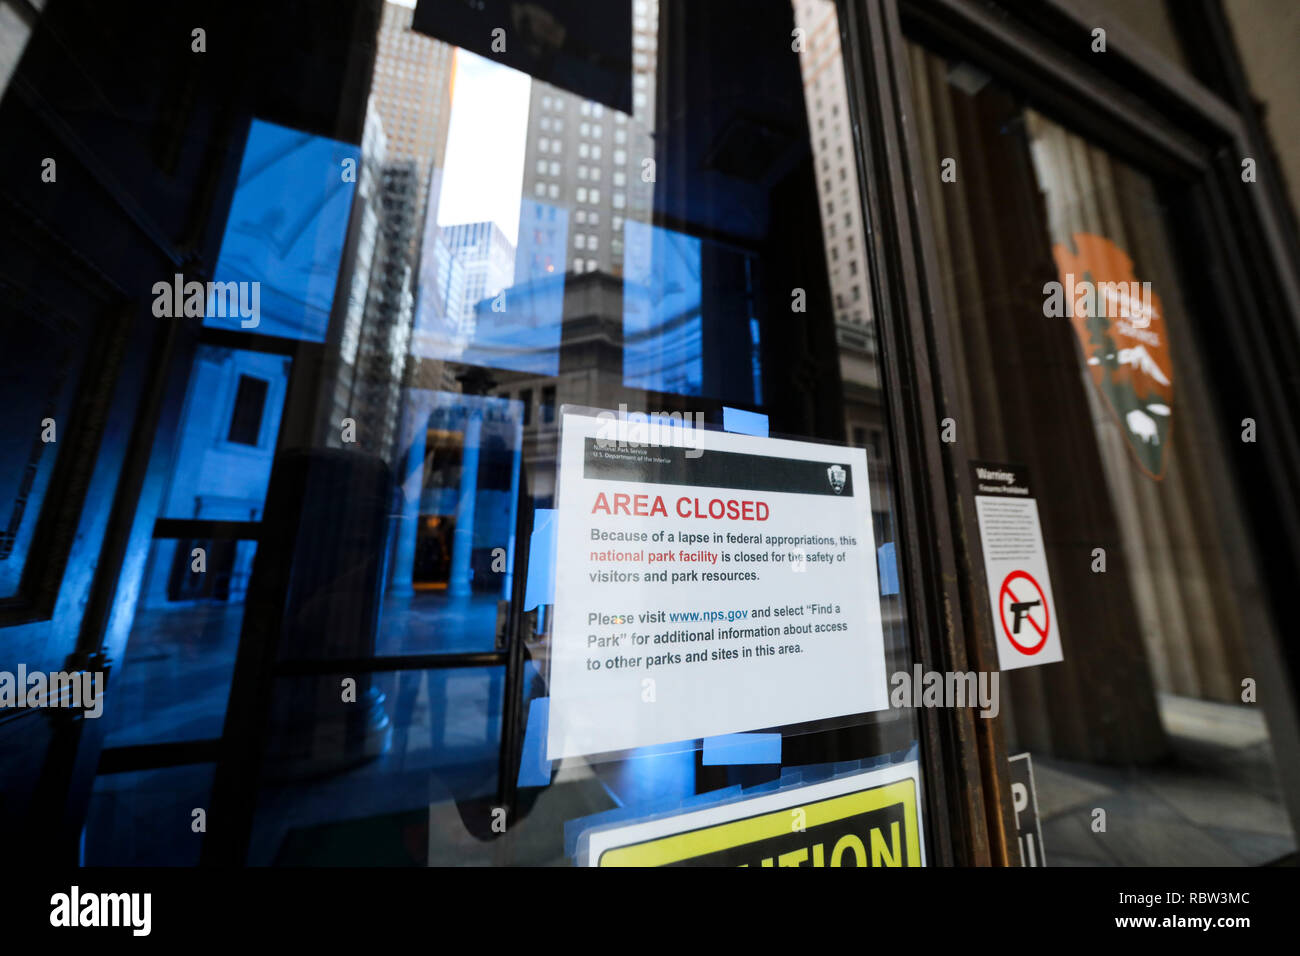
(427, 798)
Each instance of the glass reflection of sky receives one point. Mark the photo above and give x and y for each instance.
(662, 329)
(287, 226)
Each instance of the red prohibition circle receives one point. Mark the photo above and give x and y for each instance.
(1047, 615)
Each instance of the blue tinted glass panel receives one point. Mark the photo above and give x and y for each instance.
(662, 345)
(285, 234)
(175, 677)
(226, 441)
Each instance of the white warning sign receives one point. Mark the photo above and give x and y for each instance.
(708, 583)
(1015, 562)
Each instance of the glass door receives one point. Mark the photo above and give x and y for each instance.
(675, 232)
(423, 253)
(1082, 373)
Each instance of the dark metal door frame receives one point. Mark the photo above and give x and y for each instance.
(957, 801)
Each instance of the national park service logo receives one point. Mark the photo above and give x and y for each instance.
(837, 475)
(1120, 324)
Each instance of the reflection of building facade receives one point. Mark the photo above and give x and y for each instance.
(374, 305)
(386, 331)
(487, 267)
(589, 371)
(831, 134)
(463, 314)
(359, 257)
(526, 335)
(593, 159)
(464, 317)
(406, 137)
(363, 256)
(442, 296)
(543, 240)
(411, 89)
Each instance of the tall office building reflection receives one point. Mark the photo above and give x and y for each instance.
(407, 123)
(830, 133)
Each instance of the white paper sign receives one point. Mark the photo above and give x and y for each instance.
(1015, 562)
(708, 583)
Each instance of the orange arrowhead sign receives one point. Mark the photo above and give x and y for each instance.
(1120, 324)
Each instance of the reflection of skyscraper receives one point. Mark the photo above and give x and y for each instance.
(352, 297)
(411, 89)
(488, 262)
(386, 331)
(406, 137)
(374, 307)
(826, 101)
(526, 336)
(543, 240)
(837, 182)
(442, 291)
(593, 159)
(473, 306)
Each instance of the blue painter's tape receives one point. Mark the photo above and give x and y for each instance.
(742, 748)
(743, 422)
(540, 587)
(534, 768)
(888, 568)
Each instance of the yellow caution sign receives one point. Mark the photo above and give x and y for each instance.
(866, 819)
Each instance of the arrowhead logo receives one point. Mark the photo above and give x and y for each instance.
(1120, 325)
(836, 475)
